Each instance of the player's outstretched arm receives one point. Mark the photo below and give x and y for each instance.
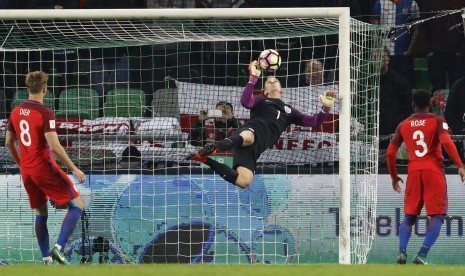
(391, 162)
(254, 71)
(10, 145)
(327, 99)
(60, 153)
(247, 97)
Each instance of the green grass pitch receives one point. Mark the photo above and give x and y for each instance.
(232, 270)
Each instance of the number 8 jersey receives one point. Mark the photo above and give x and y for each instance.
(30, 121)
(421, 134)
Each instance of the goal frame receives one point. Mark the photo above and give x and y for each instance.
(343, 16)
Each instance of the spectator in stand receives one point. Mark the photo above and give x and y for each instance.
(225, 124)
(394, 13)
(455, 107)
(395, 96)
(442, 41)
(306, 89)
(455, 112)
(310, 85)
(313, 74)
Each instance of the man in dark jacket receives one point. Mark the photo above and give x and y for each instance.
(395, 97)
(455, 107)
(442, 41)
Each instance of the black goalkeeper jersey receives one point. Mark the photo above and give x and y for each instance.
(269, 118)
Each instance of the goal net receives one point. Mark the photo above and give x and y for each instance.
(128, 88)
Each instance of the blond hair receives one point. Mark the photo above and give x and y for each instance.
(36, 81)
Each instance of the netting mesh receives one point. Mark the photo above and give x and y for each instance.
(63, 34)
(127, 95)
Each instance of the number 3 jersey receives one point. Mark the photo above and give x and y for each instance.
(420, 132)
(30, 121)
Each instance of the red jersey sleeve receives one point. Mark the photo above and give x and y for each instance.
(10, 124)
(49, 123)
(447, 142)
(392, 151)
(397, 139)
(442, 126)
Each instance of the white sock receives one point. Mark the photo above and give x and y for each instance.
(49, 259)
(58, 247)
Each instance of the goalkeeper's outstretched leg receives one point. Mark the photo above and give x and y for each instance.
(238, 175)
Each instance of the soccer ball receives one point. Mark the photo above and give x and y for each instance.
(269, 60)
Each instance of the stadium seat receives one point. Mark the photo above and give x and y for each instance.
(421, 74)
(83, 71)
(121, 102)
(21, 95)
(78, 102)
(165, 103)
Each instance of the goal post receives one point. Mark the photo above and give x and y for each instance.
(344, 129)
(139, 110)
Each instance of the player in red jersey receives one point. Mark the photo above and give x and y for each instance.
(33, 125)
(423, 134)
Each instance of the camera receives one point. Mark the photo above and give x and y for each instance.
(215, 113)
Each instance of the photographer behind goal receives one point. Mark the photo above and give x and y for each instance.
(224, 124)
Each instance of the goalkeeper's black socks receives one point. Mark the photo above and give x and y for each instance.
(234, 141)
(223, 170)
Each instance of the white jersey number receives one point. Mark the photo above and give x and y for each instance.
(25, 136)
(419, 137)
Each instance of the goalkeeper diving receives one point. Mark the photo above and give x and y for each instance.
(269, 117)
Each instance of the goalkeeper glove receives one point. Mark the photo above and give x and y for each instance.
(254, 71)
(327, 99)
